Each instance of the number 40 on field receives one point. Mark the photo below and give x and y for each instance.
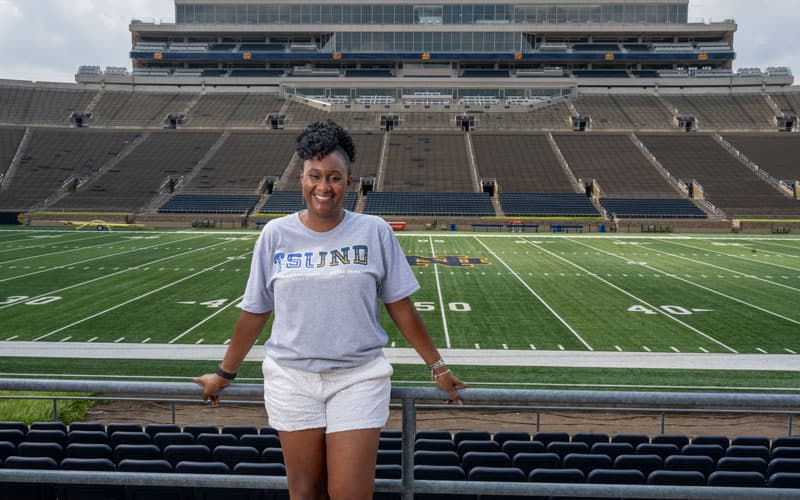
(674, 310)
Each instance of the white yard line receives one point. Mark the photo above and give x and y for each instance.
(46, 294)
(698, 285)
(28, 257)
(196, 325)
(93, 258)
(634, 297)
(49, 243)
(782, 246)
(439, 292)
(538, 297)
(733, 256)
(75, 323)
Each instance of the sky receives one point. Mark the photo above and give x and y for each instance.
(46, 40)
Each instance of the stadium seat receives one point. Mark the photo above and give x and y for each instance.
(750, 441)
(153, 429)
(272, 456)
(616, 476)
(736, 479)
(29, 491)
(391, 433)
(785, 452)
(662, 450)
(136, 465)
(425, 457)
(549, 437)
(87, 426)
(151, 492)
(632, 439)
(130, 437)
(645, 464)
(440, 473)
(786, 441)
(88, 450)
(390, 443)
(486, 445)
(736, 450)
(434, 445)
(18, 426)
(511, 447)
(679, 440)
(677, 478)
(47, 436)
(89, 437)
(440, 434)
(743, 464)
(239, 430)
(111, 428)
(136, 452)
(474, 459)
(390, 457)
(722, 441)
(528, 462)
(698, 463)
(613, 450)
(267, 431)
(471, 436)
(791, 465)
(387, 472)
(586, 462)
(232, 455)
(90, 492)
(6, 450)
(590, 438)
(164, 439)
(498, 474)
(48, 426)
(214, 440)
(502, 436)
(562, 448)
(197, 429)
(203, 467)
(13, 436)
(545, 475)
(784, 480)
(38, 450)
(714, 451)
(176, 453)
(260, 441)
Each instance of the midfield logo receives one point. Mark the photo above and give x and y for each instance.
(447, 260)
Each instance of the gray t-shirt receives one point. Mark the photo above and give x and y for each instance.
(324, 288)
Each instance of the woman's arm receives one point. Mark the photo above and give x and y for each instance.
(247, 330)
(407, 319)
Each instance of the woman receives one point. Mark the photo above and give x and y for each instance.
(326, 382)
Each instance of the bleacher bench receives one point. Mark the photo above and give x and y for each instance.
(565, 228)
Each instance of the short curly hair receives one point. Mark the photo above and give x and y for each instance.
(320, 139)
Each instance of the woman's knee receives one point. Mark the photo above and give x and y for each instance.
(308, 489)
(348, 489)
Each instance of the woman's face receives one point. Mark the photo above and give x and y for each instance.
(324, 184)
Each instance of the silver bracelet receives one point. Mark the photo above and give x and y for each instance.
(437, 364)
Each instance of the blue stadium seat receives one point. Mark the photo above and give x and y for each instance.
(6, 450)
(18, 426)
(632, 439)
(90, 492)
(203, 467)
(259, 469)
(786, 441)
(528, 462)
(616, 476)
(267, 431)
(111, 428)
(586, 462)
(89, 437)
(391, 433)
(214, 440)
(136, 465)
(736, 479)
(164, 439)
(136, 452)
(563, 448)
(38, 450)
(87, 426)
(702, 464)
(547, 205)
(679, 440)
(471, 436)
(677, 478)
(791, 465)
(785, 452)
(153, 429)
(176, 453)
(567, 476)
(474, 459)
(390, 443)
(722, 441)
(499, 474)
(130, 437)
(428, 203)
(48, 426)
(29, 491)
(737, 450)
(260, 441)
(197, 429)
(613, 450)
(511, 447)
(662, 450)
(88, 450)
(434, 445)
(590, 438)
(485, 446)
(784, 480)
(751, 441)
(426, 457)
(502, 436)
(440, 473)
(388, 472)
(149, 492)
(232, 455)
(440, 434)
(47, 436)
(743, 464)
(645, 464)
(714, 451)
(13, 436)
(272, 456)
(390, 457)
(239, 430)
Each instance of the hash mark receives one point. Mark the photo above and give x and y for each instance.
(119, 340)
(646, 348)
(477, 346)
(674, 348)
(560, 347)
(146, 340)
(533, 347)
(92, 339)
(618, 348)
(789, 350)
(65, 339)
(704, 350)
(762, 351)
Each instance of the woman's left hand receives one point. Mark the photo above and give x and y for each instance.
(450, 384)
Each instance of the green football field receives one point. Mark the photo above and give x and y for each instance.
(482, 291)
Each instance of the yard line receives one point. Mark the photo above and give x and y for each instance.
(674, 348)
(538, 297)
(477, 346)
(711, 290)
(206, 319)
(652, 307)
(782, 246)
(115, 274)
(49, 243)
(646, 348)
(118, 340)
(148, 339)
(65, 339)
(74, 323)
(789, 351)
(737, 257)
(439, 292)
(56, 253)
(533, 347)
(12, 338)
(762, 351)
(84, 261)
(92, 339)
(703, 350)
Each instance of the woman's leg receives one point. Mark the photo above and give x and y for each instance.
(351, 463)
(304, 455)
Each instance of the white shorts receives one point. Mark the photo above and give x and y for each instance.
(339, 400)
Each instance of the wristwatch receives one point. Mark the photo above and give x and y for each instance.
(226, 375)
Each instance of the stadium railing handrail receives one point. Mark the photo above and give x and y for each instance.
(407, 486)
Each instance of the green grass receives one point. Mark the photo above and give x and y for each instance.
(526, 291)
(41, 409)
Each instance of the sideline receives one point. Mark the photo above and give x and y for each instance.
(405, 356)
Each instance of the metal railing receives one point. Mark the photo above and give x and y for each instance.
(409, 398)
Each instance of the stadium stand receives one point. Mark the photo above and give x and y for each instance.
(624, 111)
(135, 180)
(547, 205)
(53, 156)
(208, 204)
(427, 163)
(551, 116)
(775, 154)
(244, 160)
(10, 138)
(429, 203)
(42, 105)
(727, 183)
(642, 208)
(726, 111)
(233, 110)
(615, 163)
(138, 109)
(520, 163)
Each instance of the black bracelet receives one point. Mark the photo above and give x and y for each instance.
(226, 375)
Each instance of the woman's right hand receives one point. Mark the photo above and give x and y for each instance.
(212, 384)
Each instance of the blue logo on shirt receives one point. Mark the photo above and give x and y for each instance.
(345, 256)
